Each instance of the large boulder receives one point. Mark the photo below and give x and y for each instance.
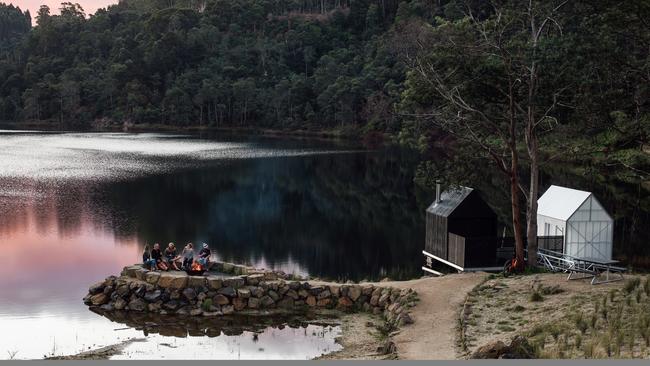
(130, 271)
(256, 291)
(354, 292)
(171, 305)
(254, 279)
(227, 309)
(227, 291)
(122, 291)
(141, 273)
(152, 277)
(119, 304)
(519, 348)
(189, 293)
(155, 307)
(267, 301)
(286, 303)
(239, 303)
(335, 290)
(324, 303)
(367, 290)
(196, 281)
(196, 312)
(235, 282)
(254, 303)
(244, 293)
(324, 295)
(311, 300)
(315, 290)
(99, 299)
(137, 305)
(214, 283)
(492, 350)
(220, 299)
(383, 299)
(227, 268)
(97, 288)
(273, 295)
(175, 280)
(152, 296)
(344, 303)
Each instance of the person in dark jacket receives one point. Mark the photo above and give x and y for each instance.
(204, 256)
(157, 255)
(147, 261)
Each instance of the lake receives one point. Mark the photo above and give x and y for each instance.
(77, 207)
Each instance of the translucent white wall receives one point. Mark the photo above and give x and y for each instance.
(548, 226)
(589, 232)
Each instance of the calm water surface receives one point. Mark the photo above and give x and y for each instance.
(75, 208)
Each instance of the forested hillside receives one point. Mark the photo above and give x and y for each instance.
(311, 64)
(14, 25)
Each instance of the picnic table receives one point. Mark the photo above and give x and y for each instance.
(581, 267)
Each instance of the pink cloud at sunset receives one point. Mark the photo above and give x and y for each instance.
(90, 6)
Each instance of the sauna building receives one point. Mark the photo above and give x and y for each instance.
(461, 231)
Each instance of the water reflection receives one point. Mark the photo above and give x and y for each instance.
(72, 212)
(243, 337)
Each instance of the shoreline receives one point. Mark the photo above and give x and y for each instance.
(316, 134)
(102, 353)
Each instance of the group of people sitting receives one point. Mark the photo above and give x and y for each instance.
(156, 259)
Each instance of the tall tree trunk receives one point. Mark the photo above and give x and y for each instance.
(515, 204)
(531, 211)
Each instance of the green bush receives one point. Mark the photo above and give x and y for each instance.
(207, 303)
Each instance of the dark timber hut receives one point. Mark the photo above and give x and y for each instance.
(461, 231)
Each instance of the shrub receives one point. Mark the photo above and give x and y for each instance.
(631, 284)
(536, 297)
(518, 308)
(207, 303)
(550, 290)
(581, 324)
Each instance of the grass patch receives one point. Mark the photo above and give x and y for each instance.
(505, 328)
(536, 297)
(631, 284)
(206, 305)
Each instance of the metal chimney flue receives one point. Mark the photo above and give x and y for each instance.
(437, 192)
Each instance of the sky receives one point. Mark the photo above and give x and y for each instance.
(90, 6)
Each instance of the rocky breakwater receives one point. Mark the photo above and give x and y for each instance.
(210, 295)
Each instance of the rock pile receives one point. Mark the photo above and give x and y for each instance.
(140, 290)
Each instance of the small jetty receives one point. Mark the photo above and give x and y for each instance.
(229, 288)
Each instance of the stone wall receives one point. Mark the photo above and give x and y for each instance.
(241, 290)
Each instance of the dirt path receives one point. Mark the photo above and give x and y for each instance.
(432, 336)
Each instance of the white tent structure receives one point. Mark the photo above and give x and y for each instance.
(588, 229)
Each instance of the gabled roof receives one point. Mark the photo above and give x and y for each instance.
(561, 202)
(449, 200)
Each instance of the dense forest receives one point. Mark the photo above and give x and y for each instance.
(346, 65)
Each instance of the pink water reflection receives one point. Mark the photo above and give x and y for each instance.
(48, 260)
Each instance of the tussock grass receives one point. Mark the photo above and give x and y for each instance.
(615, 326)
